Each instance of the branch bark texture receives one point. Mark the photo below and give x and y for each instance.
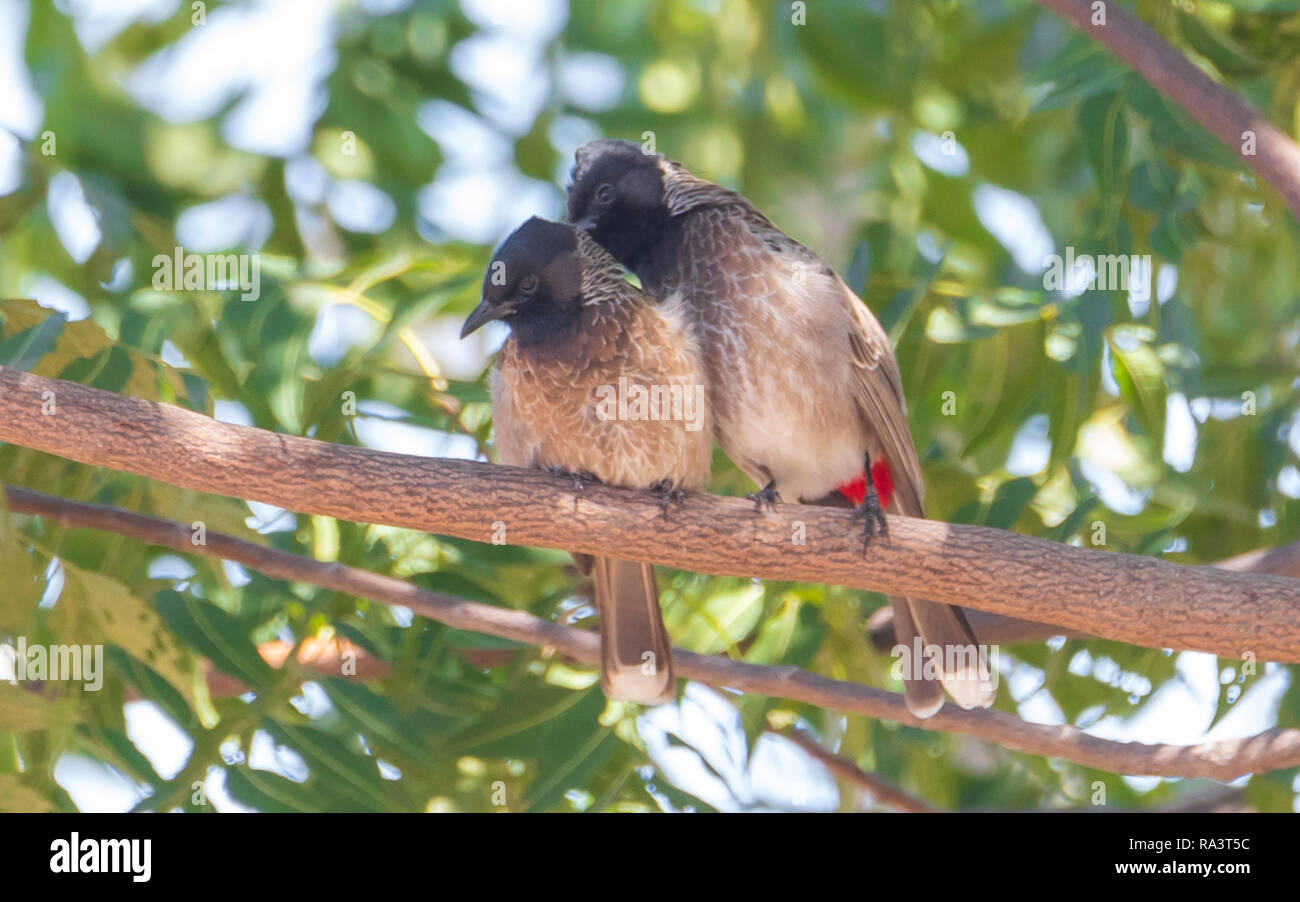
(1140, 600)
(1221, 760)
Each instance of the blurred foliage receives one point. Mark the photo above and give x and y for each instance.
(824, 123)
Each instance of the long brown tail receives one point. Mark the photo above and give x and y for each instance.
(962, 667)
(636, 661)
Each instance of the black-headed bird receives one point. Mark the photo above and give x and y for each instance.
(599, 381)
(804, 387)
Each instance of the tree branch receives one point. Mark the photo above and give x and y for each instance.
(1140, 600)
(1219, 111)
(880, 789)
(995, 629)
(1221, 760)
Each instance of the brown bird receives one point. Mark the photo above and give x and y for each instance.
(599, 381)
(804, 387)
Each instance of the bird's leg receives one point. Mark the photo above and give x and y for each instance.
(767, 496)
(668, 495)
(871, 512)
(580, 479)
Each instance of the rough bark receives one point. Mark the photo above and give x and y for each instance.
(1140, 600)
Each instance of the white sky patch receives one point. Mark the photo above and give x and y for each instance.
(1030, 450)
(463, 137)
(53, 294)
(1015, 222)
(266, 755)
(75, 221)
(1180, 433)
(591, 81)
(53, 584)
(236, 573)
(97, 22)
(713, 764)
(537, 20)
(483, 206)
(267, 518)
(241, 54)
(462, 358)
(1288, 481)
(120, 278)
(1166, 282)
(96, 787)
(169, 566)
(1108, 383)
(21, 108)
(1041, 708)
(306, 180)
(407, 438)
(233, 221)
(567, 134)
(507, 80)
(1291, 433)
(172, 356)
(11, 162)
(1182, 708)
(361, 207)
(233, 412)
(338, 329)
(158, 737)
(1113, 491)
(944, 156)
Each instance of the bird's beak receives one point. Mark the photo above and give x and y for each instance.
(484, 313)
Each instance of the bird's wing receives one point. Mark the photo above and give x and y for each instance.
(878, 389)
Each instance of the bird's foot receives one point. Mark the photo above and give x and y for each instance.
(667, 495)
(580, 480)
(873, 516)
(767, 497)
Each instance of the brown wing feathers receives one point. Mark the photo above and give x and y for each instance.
(546, 408)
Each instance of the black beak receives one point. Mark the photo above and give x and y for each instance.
(485, 313)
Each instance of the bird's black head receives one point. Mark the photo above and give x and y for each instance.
(534, 283)
(617, 195)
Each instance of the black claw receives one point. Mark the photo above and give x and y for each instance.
(873, 515)
(668, 495)
(580, 480)
(767, 497)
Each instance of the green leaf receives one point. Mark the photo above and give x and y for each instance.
(1141, 378)
(25, 349)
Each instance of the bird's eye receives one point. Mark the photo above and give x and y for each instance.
(528, 285)
(605, 193)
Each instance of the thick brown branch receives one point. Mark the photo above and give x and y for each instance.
(1219, 111)
(1125, 597)
(1221, 760)
(995, 629)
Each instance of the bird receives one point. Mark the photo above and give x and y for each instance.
(582, 341)
(805, 389)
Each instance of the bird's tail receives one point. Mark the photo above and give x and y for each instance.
(636, 662)
(942, 651)
(961, 664)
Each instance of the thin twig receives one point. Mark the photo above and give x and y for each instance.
(1221, 760)
(884, 792)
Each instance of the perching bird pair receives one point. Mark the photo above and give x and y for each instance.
(801, 387)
